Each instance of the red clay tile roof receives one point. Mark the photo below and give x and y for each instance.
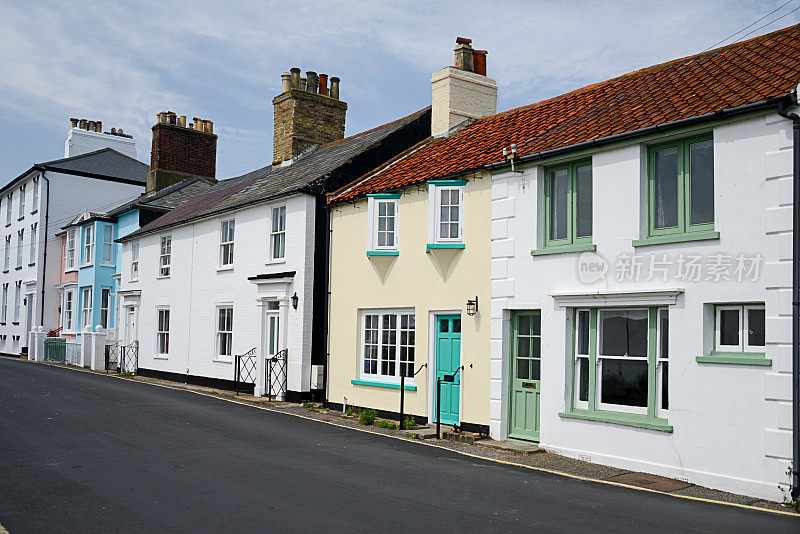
(744, 73)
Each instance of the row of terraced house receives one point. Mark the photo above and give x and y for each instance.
(606, 273)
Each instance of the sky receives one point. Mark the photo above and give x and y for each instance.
(123, 62)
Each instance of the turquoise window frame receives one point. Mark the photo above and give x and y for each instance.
(685, 230)
(572, 243)
(736, 357)
(649, 420)
(394, 251)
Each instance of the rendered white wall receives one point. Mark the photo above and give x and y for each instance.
(197, 285)
(731, 422)
(82, 141)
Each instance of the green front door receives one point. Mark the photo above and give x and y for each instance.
(448, 362)
(526, 344)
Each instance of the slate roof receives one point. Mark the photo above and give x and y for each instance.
(270, 182)
(758, 71)
(105, 163)
(170, 197)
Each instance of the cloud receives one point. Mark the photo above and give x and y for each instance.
(122, 62)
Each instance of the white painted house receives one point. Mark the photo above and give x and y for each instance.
(241, 269)
(36, 204)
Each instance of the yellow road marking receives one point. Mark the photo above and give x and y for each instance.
(423, 442)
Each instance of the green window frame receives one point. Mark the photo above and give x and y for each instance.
(750, 345)
(680, 225)
(571, 237)
(585, 401)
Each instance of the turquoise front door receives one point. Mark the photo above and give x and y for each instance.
(448, 362)
(526, 344)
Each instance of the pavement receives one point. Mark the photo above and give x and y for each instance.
(86, 452)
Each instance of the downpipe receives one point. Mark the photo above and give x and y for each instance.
(782, 111)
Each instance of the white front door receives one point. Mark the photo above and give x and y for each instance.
(28, 316)
(273, 333)
(130, 328)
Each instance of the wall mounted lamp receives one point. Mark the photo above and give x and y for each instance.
(472, 306)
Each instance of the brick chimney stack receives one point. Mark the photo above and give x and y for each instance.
(462, 92)
(181, 151)
(307, 113)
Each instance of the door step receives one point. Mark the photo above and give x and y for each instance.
(511, 446)
(462, 437)
(421, 432)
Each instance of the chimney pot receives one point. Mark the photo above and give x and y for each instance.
(73, 123)
(323, 84)
(463, 40)
(295, 77)
(303, 82)
(198, 123)
(479, 61)
(113, 131)
(312, 82)
(182, 121)
(286, 82)
(91, 126)
(335, 88)
(162, 116)
(171, 118)
(120, 132)
(82, 124)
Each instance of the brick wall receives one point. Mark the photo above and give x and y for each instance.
(183, 150)
(304, 119)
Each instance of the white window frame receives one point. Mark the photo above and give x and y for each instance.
(86, 307)
(227, 235)
(276, 233)
(661, 362)
(69, 250)
(373, 225)
(88, 245)
(7, 264)
(108, 245)
(35, 201)
(219, 333)
(68, 314)
(10, 200)
(434, 213)
(4, 311)
(134, 262)
(20, 245)
(165, 258)
(162, 335)
(22, 202)
(577, 403)
(17, 297)
(34, 231)
(105, 307)
(744, 327)
(600, 405)
(379, 376)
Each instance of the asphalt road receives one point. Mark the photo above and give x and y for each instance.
(86, 453)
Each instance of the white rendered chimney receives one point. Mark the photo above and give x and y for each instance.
(459, 93)
(81, 140)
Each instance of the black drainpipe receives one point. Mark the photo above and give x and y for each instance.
(782, 111)
(44, 254)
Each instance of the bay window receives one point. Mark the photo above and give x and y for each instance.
(69, 250)
(619, 366)
(108, 243)
(86, 307)
(88, 245)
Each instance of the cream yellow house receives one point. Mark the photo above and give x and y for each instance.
(410, 273)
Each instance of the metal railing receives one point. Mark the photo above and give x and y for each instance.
(55, 349)
(245, 372)
(129, 358)
(113, 351)
(275, 375)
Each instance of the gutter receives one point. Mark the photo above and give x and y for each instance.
(783, 105)
(44, 254)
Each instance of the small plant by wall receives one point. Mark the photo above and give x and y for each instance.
(367, 417)
(387, 424)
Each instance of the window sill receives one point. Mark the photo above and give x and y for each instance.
(225, 268)
(162, 277)
(8, 224)
(18, 268)
(5, 271)
(104, 264)
(275, 262)
(676, 238)
(637, 421)
(85, 265)
(15, 322)
(71, 270)
(564, 249)
(389, 385)
(21, 218)
(161, 357)
(736, 358)
(383, 253)
(34, 212)
(431, 246)
(31, 264)
(221, 360)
